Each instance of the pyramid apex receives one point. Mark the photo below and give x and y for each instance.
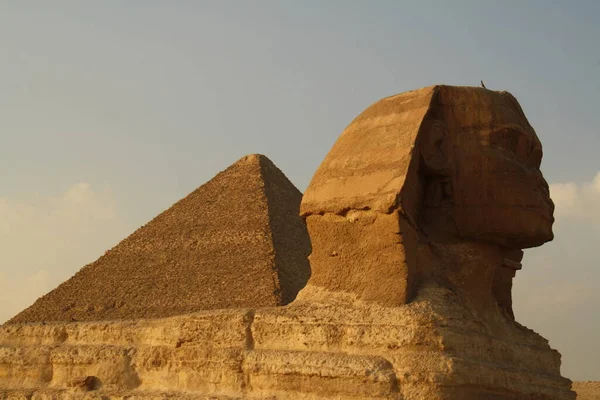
(255, 158)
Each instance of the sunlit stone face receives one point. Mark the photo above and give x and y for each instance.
(496, 189)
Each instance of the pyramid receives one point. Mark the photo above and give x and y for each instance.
(236, 241)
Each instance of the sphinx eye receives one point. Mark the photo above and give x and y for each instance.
(506, 139)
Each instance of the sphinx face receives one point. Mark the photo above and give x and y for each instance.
(498, 191)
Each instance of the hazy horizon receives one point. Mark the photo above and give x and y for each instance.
(112, 111)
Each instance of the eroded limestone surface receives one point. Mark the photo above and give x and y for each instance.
(432, 348)
(417, 217)
(587, 390)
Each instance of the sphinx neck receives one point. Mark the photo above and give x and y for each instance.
(480, 273)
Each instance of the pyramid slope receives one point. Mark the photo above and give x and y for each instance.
(289, 233)
(219, 247)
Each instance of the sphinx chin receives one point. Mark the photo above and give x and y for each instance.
(538, 231)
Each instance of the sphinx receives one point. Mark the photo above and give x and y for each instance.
(418, 218)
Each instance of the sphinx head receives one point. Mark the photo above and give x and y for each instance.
(427, 169)
(480, 169)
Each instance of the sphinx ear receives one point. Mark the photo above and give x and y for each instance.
(434, 148)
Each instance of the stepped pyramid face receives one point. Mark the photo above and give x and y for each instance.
(236, 241)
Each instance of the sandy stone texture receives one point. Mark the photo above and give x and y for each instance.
(587, 390)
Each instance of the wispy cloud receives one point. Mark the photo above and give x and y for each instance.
(577, 200)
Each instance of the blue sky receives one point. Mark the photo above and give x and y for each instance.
(111, 111)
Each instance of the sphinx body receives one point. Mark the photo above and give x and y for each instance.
(417, 217)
